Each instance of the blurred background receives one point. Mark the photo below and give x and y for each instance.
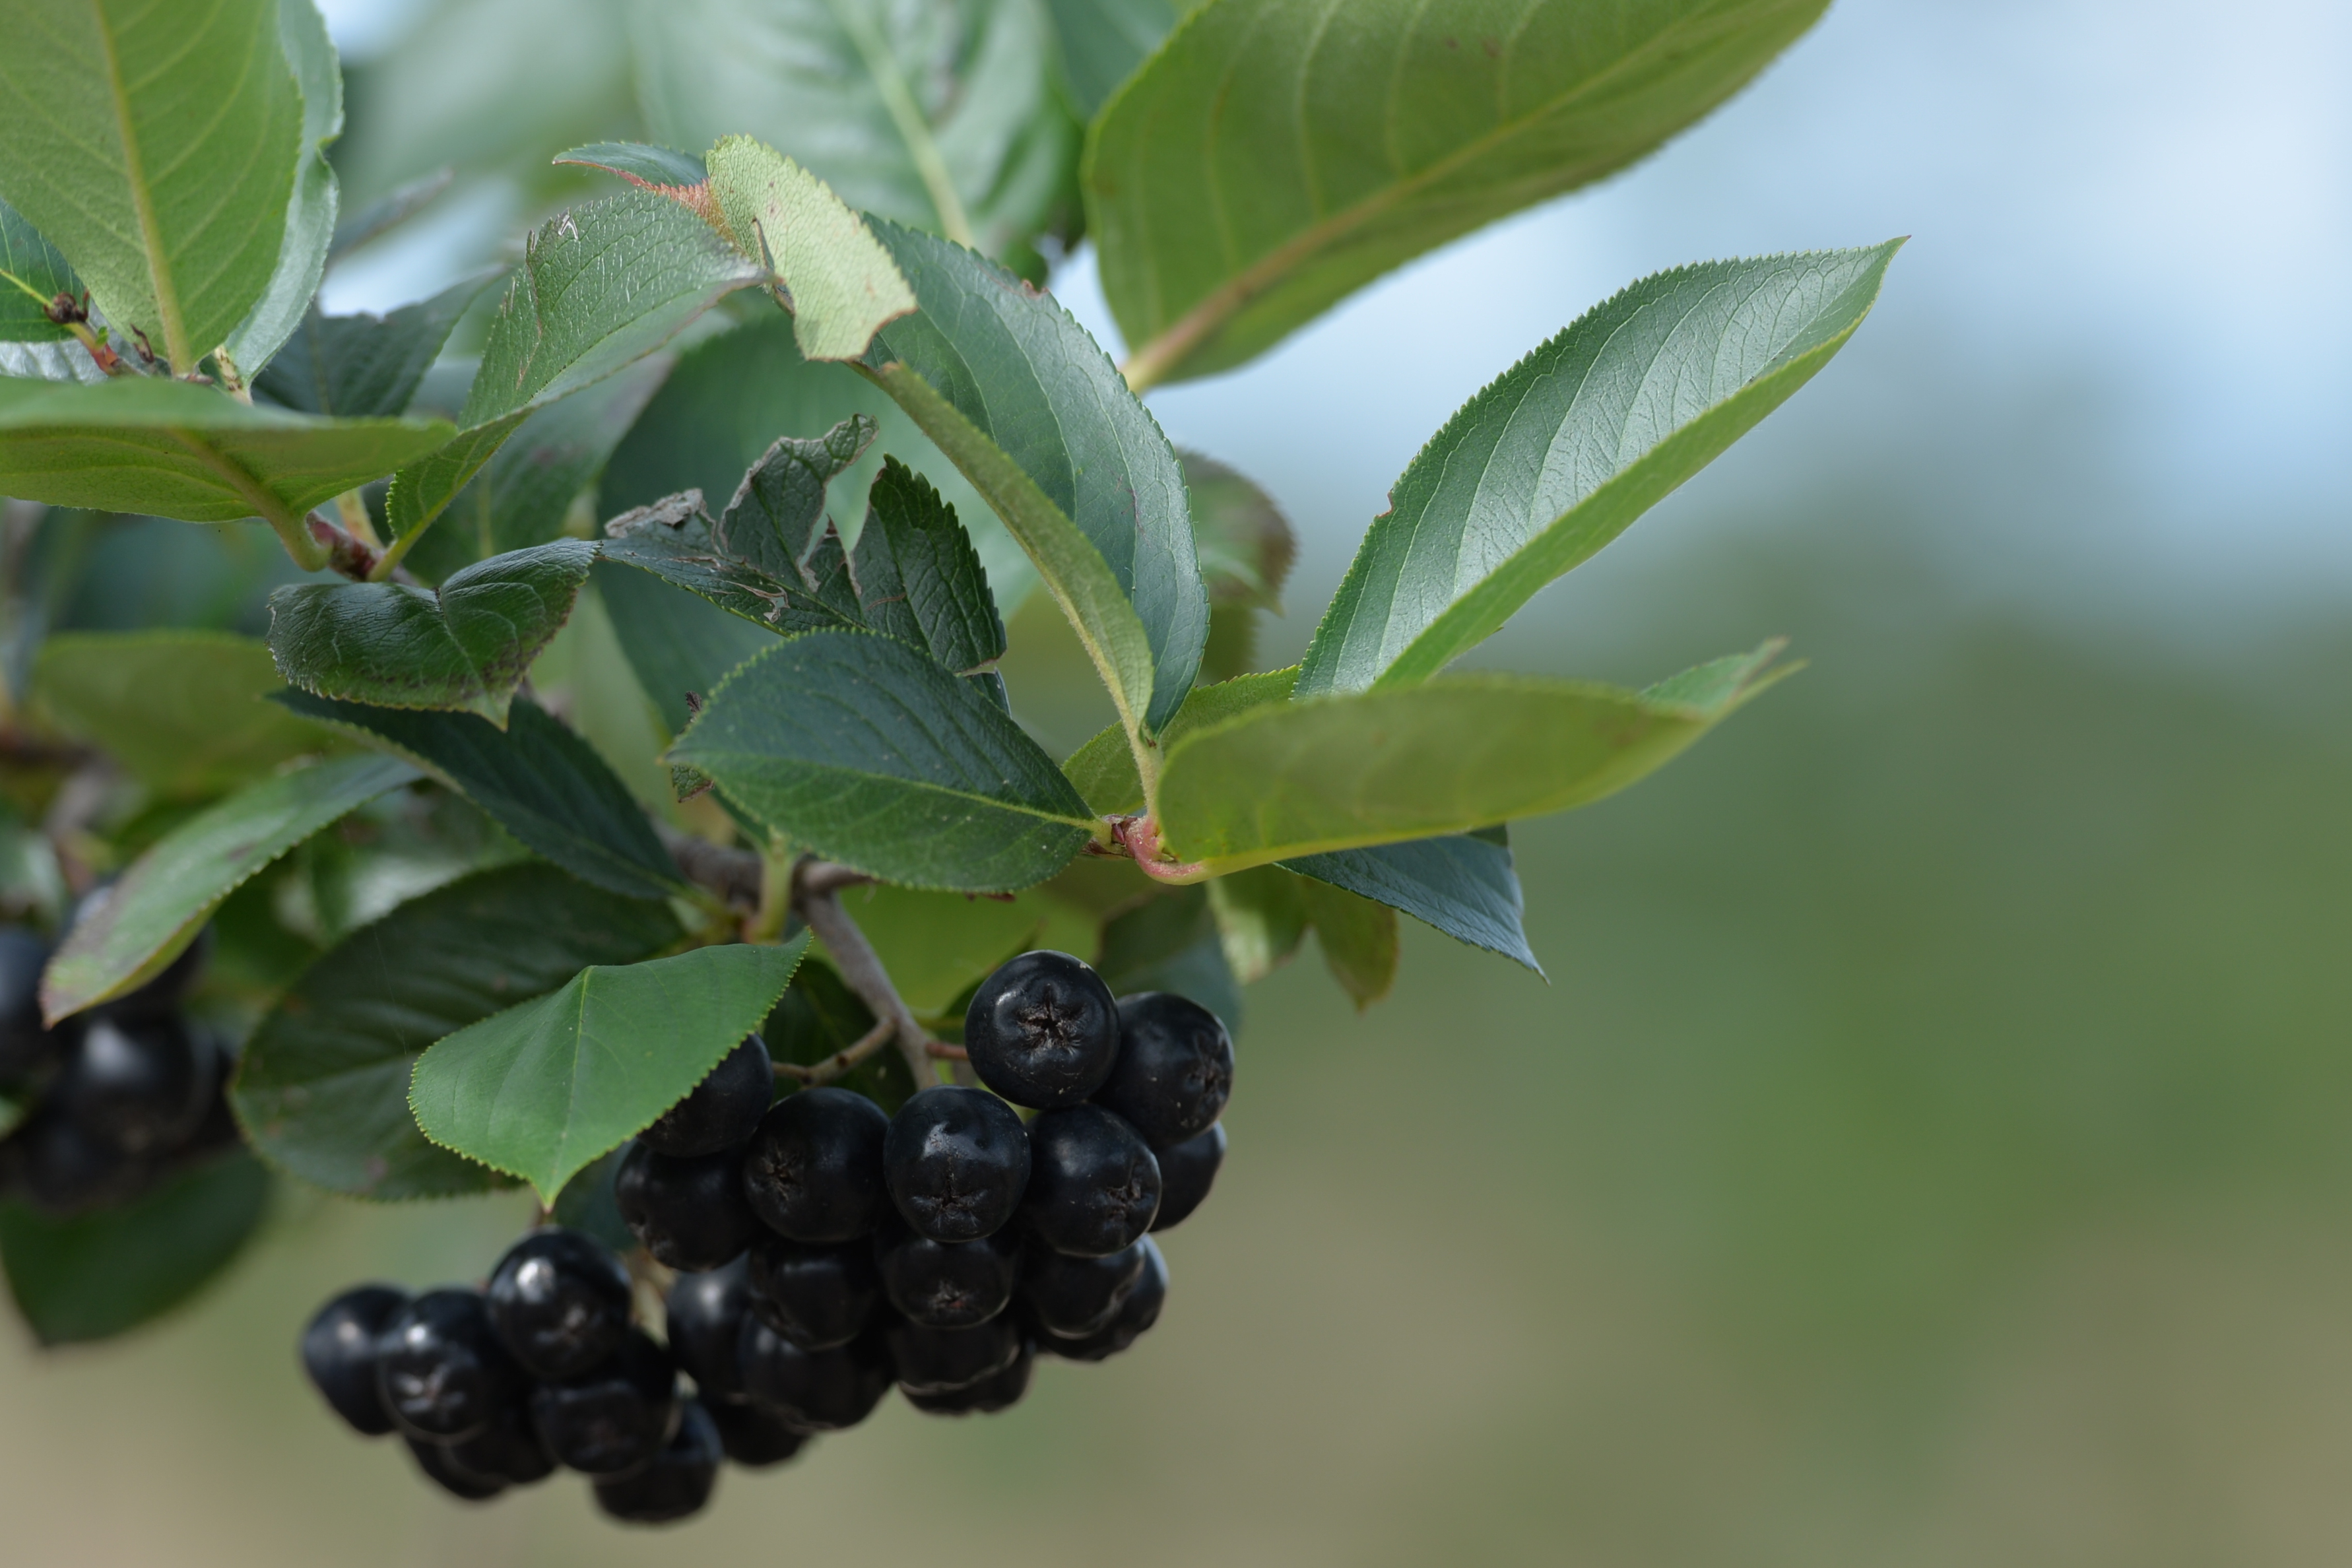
(1934, 1143)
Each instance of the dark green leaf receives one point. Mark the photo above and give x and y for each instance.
(164, 448)
(322, 1092)
(675, 643)
(1463, 886)
(1104, 40)
(1169, 944)
(1275, 155)
(863, 750)
(537, 779)
(817, 1016)
(99, 1275)
(156, 146)
(941, 116)
(1247, 549)
(1260, 919)
(1358, 939)
(139, 923)
(1283, 780)
(181, 710)
(1559, 453)
(663, 169)
(1037, 418)
(310, 213)
(467, 647)
(361, 366)
(541, 1089)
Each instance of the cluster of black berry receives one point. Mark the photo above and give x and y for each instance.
(825, 1251)
(119, 1097)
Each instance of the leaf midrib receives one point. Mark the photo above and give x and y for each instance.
(142, 204)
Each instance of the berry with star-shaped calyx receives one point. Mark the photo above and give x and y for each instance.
(957, 1161)
(813, 1172)
(1071, 1297)
(947, 1284)
(703, 1317)
(689, 1214)
(559, 1302)
(1094, 1186)
(614, 1420)
(1043, 1030)
(440, 1370)
(1175, 1067)
(140, 1084)
(1136, 1315)
(339, 1354)
(818, 1390)
(816, 1297)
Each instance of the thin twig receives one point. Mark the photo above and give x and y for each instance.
(841, 1061)
(816, 898)
(732, 874)
(948, 1053)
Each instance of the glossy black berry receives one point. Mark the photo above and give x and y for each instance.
(458, 1479)
(704, 1319)
(689, 1214)
(440, 1370)
(938, 1361)
(1042, 1030)
(1074, 1296)
(1136, 1315)
(818, 1391)
(161, 996)
(27, 1051)
(723, 1108)
(957, 1161)
(63, 1168)
(615, 1419)
(1092, 1186)
(1175, 1067)
(813, 1172)
(754, 1438)
(948, 1284)
(1001, 1390)
(1187, 1172)
(339, 1354)
(677, 1483)
(559, 1302)
(508, 1448)
(816, 1297)
(142, 1085)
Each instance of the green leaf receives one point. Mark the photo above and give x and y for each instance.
(1395, 763)
(842, 285)
(676, 644)
(1358, 939)
(129, 932)
(1170, 942)
(863, 750)
(1030, 409)
(322, 1089)
(541, 1089)
(310, 213)
(1103, 770)
(165, 448)
(1261, 917)
(537, 779)
(156, 145)
(1104, 40)
(1559, 453)
(939, 116)
(98, 1275)
(818, 1016)
(600, 287)
(467, 647)
(647, 167)
(1274, 156)
(33, 272)
(361, 365)
(1464, 886)
(524, 495)
(181, 710)
(1247, 549)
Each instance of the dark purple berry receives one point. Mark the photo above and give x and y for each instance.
(615, 1419)
(957, 1161)
(948, 1284)
(1042, 1030)
(63, 1168)
(1074, 1296)
(1001, 1390)
(1092, 1186)
(440, 1370)
(141, 1084)
(938, 1360)
(1187, 1171)
(458, 1479)
(816, 1297)
(339, 1354)
(723, 1108)
(689, 1214)
(1175, 1067)
(755, 1439)
(28, 1052)
(1138, 1314)
(509, 1448)
(677, 1483)
(704, 1319)
(813, 1172)
(559, 1302)
(818, 1391)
